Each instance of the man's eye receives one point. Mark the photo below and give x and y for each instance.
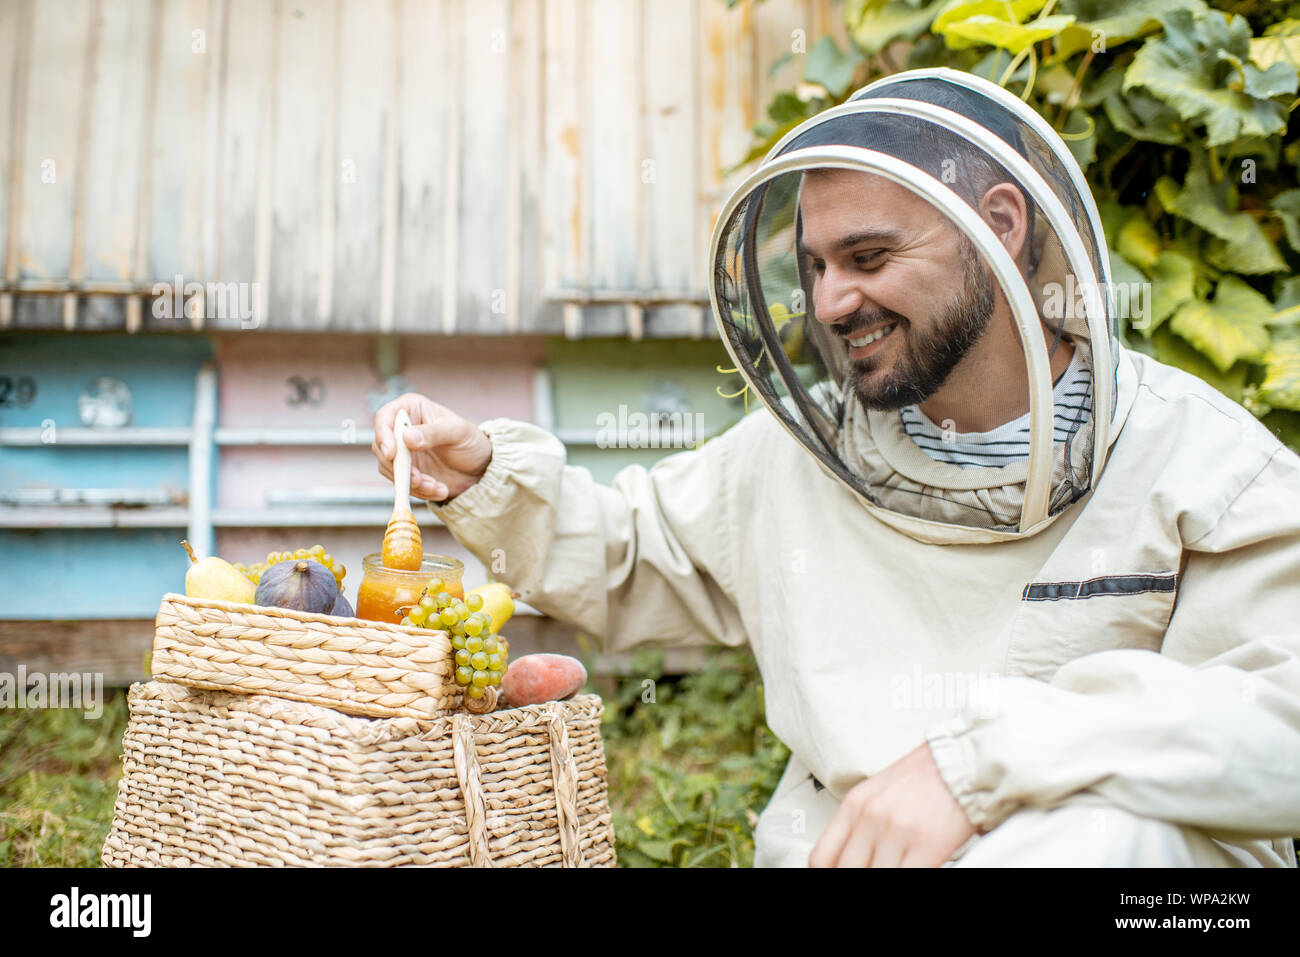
(868, 259)
(819, 267)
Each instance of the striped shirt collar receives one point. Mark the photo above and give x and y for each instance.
(1072, 398)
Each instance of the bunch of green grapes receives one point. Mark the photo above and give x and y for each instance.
(480, 654)
(316, 553)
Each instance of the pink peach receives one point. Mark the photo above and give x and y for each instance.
(534, 679)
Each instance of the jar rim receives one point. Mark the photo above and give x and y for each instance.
(430, 563)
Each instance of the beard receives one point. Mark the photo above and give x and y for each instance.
(928, 357)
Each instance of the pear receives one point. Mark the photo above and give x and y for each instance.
(498, 601)
(214, 577)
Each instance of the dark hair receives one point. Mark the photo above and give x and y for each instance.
(947, 156)
(971, 175)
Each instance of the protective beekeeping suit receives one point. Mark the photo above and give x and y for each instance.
(1084, 597)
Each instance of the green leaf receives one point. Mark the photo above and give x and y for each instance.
(1166, 190)
(1289, 27)
(657, 850)
(1191, 68)
(1014, 11)
(1244, 246)
(875, 25)
(1004, 34)
(1114, 215)
(1287, 207)
(1138, 242)
(1123, 271)
(1243, 300)
(1054, 84)
(1144, 117)
(1280, 44)
(1101, 85)
(1278, 80)
(1252, 261)
(1281, 385)
(1286, 301)
(1172, 350)
(1173, 282)
(1206, 276)
(928, 52)
(1080, 135)
(1125, 276)
(1113, 22)
(1286, 319)
(830, 67)
(1264, 150)
(762, 148)
(1287, 291)
(786, 106)
(1229, 328)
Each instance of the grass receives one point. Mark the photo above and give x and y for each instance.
(58, 781)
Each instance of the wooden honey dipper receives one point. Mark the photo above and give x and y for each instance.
(402, 546)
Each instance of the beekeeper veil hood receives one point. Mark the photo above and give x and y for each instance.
(867, 219)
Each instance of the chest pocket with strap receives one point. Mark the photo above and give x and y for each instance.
(1059, 621)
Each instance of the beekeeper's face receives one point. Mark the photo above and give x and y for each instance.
(894, 277)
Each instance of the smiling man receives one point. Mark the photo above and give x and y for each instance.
(1019, 596)
(946, 360)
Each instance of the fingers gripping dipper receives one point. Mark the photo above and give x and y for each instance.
(402, 545)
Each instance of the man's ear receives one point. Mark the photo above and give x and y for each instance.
(1003, 208)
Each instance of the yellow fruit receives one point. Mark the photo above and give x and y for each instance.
(214, 577)
(498, 601)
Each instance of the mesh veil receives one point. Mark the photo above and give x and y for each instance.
(955, 143)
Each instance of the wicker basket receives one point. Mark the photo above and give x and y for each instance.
(355, 666)
(214, 778)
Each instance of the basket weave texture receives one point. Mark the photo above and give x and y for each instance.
(359, 667)
(275, 737)
(217, 779)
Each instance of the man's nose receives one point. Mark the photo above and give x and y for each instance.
(836, 295)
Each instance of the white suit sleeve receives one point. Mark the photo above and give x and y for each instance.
(1205, 733)
(646, 560)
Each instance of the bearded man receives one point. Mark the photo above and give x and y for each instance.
(1019, 595)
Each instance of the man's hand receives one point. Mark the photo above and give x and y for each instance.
(448, 453)
(905, 816)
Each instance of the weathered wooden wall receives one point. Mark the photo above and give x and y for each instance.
(482, 166)
(503, 171)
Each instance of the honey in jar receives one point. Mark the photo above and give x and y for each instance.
(387, 594)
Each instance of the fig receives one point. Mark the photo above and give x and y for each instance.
(300, 584)
(342, 608)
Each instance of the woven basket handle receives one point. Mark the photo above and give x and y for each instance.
(471, 789)
(565, 776)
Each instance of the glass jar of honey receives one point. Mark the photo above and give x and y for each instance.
(387, 594)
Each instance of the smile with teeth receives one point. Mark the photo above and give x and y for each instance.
(871, 337)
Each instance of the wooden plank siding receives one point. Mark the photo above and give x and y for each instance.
(486, 167)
